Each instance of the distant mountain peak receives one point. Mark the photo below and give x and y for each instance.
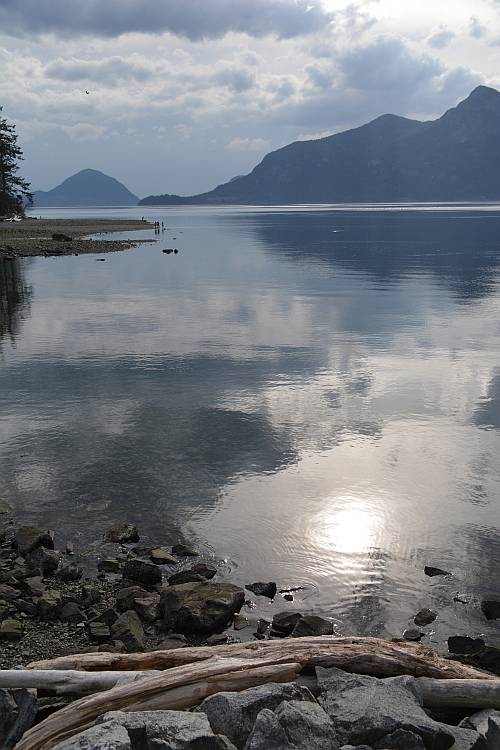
(88, 187)
(482, 94)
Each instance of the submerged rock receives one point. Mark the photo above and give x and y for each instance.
(161, 556)
(182, 550)
(200, 607)
(424, 617)
(312, 625)
(430, 571)
(263, 589)
(412, 634)
(285, 622)
(122, 532)
(491, 609)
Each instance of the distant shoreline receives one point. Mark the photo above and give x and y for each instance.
(35, 237)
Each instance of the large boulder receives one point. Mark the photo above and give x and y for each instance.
(200, 607)
(170, 730)
(18, 709)
(307, 725)
(313, 625)
(43, 562)
(268, 734)
(128, 629)
(109, 735)
(366, 709)
(142, 571)
(234, 714)
(28, 538)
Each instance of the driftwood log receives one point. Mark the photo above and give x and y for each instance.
(190, 674)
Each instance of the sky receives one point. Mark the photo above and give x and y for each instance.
(186, 94)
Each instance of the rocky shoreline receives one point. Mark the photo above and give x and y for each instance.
(32, 237)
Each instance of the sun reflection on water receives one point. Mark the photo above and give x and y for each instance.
(352, 527)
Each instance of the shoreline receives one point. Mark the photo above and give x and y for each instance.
(34, 237)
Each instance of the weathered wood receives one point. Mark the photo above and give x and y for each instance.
(81, 713)
(460, 693)
(363, 655)
(70, 681)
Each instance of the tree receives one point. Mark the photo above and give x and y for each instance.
(14, 190)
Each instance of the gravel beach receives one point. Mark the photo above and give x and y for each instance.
(32, 237)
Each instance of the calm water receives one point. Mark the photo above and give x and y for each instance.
(312, 395)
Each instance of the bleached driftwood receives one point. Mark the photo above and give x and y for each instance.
(474, 694)
(374, 656)
(146, 693)
(69, 681)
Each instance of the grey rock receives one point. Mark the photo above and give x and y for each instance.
(128, 628)
(312, 625)
(34, 586)
(479, 721)
(267, 733)
(142, 571)
(412, 634)
(401, 739)
(263, 626)
(125, 599)
(263, 589)
(491, 609)
(122, 532)
(200, 607)
(72, 613)
(109, 735)
(109, 566)
(98, 632)
(285, 622)
(366, 709)
(8, 593)
(43, 562)
(307, 725)
(161, 556)
(69, 572)
(29, 608)
(463, 644)
(467, 739)
(18, 709)
(108, 616)
(11, 630)
(424, 617)
(90, 594)
(430, 571)
(184, 576)
(234, 714)
(182, 550)
(50, 605)
(169, 730)
(27, 538)
(147, 607)
(493, 733)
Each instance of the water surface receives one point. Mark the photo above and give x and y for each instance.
(312, 395)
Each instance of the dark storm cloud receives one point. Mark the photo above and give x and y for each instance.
(194, 19)
(236, 79)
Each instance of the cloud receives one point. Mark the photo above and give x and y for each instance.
(236, 79)
(106, 70)
(248, 144)
(440, 39)
(476, 28)
(83, 131)
(194, 19)
(319, 77)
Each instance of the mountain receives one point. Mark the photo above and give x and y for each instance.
(453, 158)
(86, 188)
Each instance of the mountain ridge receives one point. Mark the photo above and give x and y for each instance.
(88, 187)
(391, 158)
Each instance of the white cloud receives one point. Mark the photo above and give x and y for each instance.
(247, 144)
(83, 131)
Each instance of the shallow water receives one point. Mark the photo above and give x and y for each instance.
(313, 395)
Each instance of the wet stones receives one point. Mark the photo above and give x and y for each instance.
(412, 634)
(109, 566)
(491, 609)
(98, 632)
(90, 594)
(182, 550)
(43, 561)
(432, 572)
(128, 629)
(72, 613)
(147, 607)
(312, 625)
(126, 598)
(49, 605)
(424, 617)
(263, 589)
(69, 572)
(463, 644)
(284, 622)
(28, 538)
(142, 571)
(198, 572)
(11, 630)
(200, 607)
(121, 533)
(161, 556)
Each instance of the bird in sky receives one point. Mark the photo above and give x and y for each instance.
(87, 92)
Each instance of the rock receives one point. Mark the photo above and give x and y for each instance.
(142, 571)
(463, 644)
(285, 622)
(69, 572)
(401, 739)
(90, 594)
(50, 605)
(267, 733)
(98, 632)
(184, 576)
(109, 735)
(28, 538)
(491, 609)
(170, 730)
(263, 626)
(8, 593)
(11, 630)
(182, 550)
(18, 709)
(161, 556)
(60, 237)
(128, 628)
(200, 607)
(312, 625)
(43, 561)
(122, 532)
(72, 613)
(366, 709)
(108, 616)
(147, 607)
(430, 571)
(479, 721)
(234, 714)
(169, 643)
(34, 586)
(29, 608)
(218, 639)
(263, 589)
(240, 622)
(466, 739)
(307, 725)
(5, 506)
(202, 569)
(412, 634)
(493, 733)
(424, 617)
(126, 598)
(109, 566)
